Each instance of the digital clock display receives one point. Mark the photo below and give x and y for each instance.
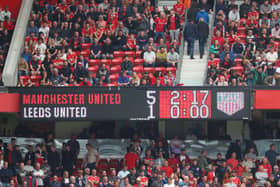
(193, 104)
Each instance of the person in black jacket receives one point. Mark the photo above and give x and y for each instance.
(53, 159)
(203, 32)
(107, 49)
(5, 174)
(30, 155)
(126, 65)
(68, 159)
(173, 25)
(190, 34)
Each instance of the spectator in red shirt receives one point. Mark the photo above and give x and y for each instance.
(173, 161)
(179, 8)
(160, 26)
(167, 169)
(131, 159)
(233, 161)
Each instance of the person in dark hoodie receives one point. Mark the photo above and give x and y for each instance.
(30, 155)
(190, 34)
(68, 159)
(5, 174)
(203, 32)
(53, 159)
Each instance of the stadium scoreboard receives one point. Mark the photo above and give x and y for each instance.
(121, 103)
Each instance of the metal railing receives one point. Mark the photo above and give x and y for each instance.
(181, 52)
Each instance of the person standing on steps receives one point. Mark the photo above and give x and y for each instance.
(202, 32)
(190, 34)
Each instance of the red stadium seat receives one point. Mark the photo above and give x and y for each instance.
(118, 54)
(172, 69)
(93, 62)
(161, 69)
(138, 54)
(238, 69)
(106, 61)
(93, 69)
(138, 62)
(85, 52)
(35, 78)
(149, 69)
(114, 78)
(86, 45)
(138, 69)
(238, 61)
(129, 53)
(116, 69)
(116, 61)
(112, 85)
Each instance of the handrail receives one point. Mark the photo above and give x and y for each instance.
(10, 72)
(210, 40)
(181, 53)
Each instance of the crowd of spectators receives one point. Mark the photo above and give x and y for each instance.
(245, 44)
(88, 43)
(6, 31)
(163, 164)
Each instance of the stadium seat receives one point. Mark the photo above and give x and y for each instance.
(93, 69)
(118, 54)
(93, 62)
(149, 69)
(35, 78)
(129, 53)
(112, 85)
(106, 61)
(172, 69)
(138, 54)
(85, 52)
(161, 69)
(116, 69)
(114, 78)
(116, 61)
(138, 69)
(138, 62)
(86, 45)
(238, 69)
(238, 61)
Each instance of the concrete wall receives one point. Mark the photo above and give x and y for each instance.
(67, 128)
(234, 129)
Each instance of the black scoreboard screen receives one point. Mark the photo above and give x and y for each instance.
(120, 103)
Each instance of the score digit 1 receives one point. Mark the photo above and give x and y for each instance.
(151, 100)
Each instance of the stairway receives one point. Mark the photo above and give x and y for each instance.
(193, 71)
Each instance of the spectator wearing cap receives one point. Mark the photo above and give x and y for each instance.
(259, 75)
(190, 34)
(203, 32)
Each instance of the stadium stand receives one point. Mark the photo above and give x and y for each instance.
(245, 44)
(7, 25)
(86, 43)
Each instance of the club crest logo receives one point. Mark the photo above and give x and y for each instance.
(230, 102)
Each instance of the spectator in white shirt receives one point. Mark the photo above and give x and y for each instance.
(170, 183)
(172, 57)
(271, 56)
(41, 47)
(38, 173)
(5, 13)
(149, 57)
(45, 29)
(234, 14)
(275, 32)
(122, 174)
